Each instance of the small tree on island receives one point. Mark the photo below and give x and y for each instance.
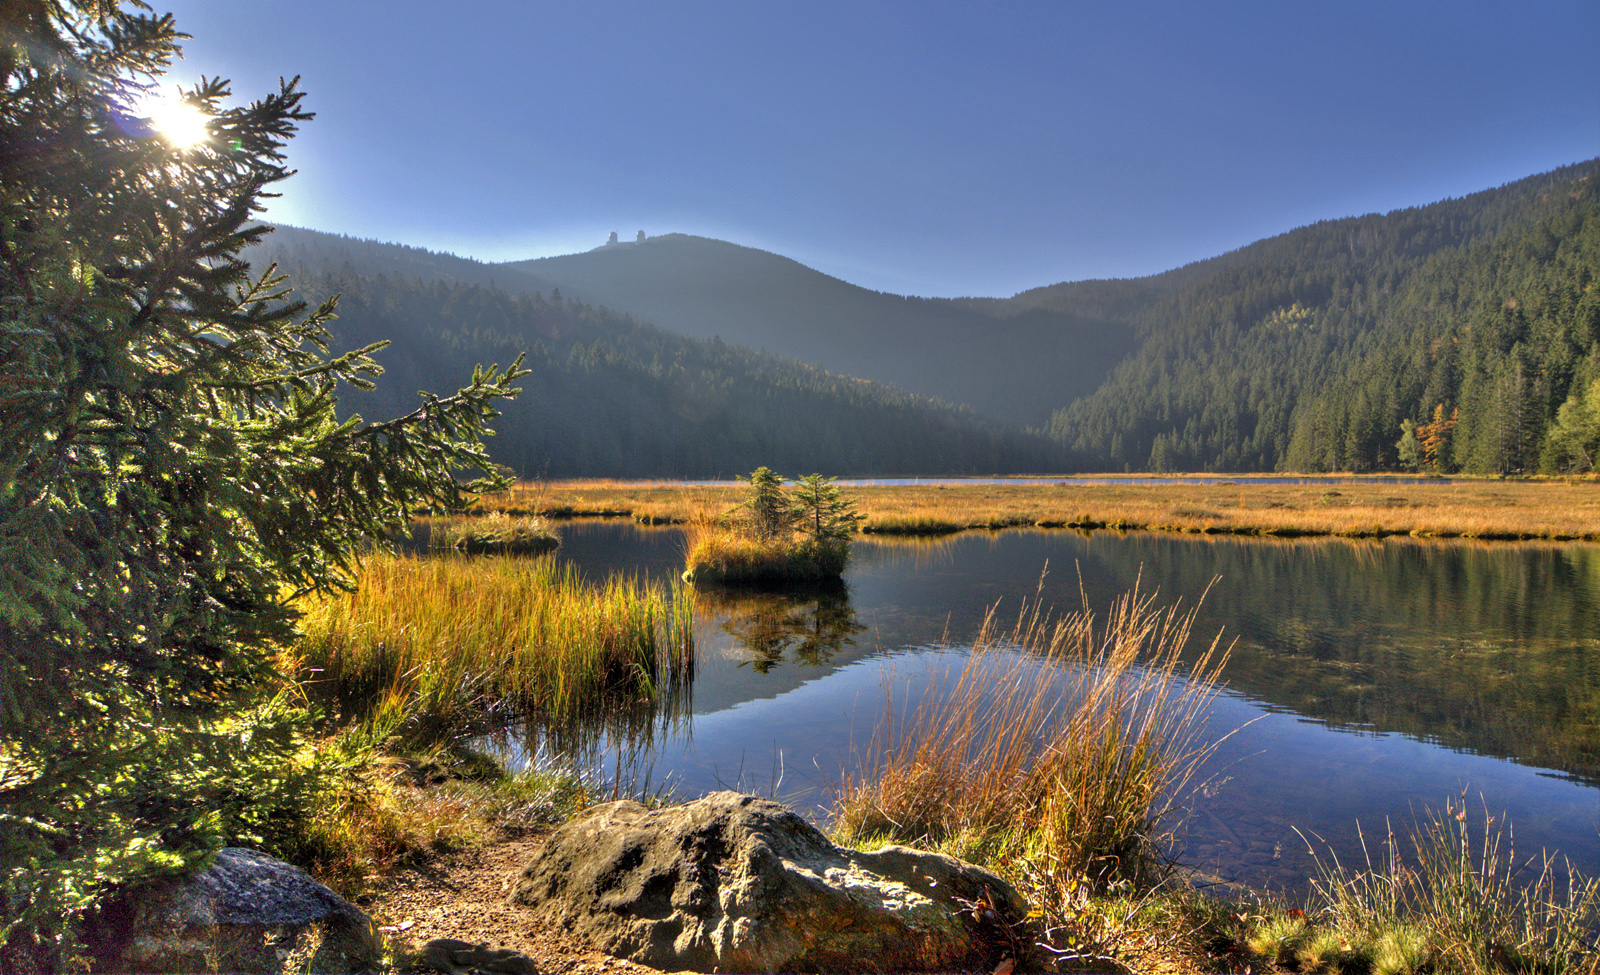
(822, 511)
(767, 510)
(773, 537)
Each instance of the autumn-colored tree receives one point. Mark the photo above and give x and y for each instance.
(1435, 436)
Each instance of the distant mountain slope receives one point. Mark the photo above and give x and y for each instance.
(1017, 366)
(610, 396)
(1307, 350)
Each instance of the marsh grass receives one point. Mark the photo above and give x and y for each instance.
(1461, 902)
(1464, 508)
(718, 554)
(1060, 752)
(429, 653)
(430, 647)
(496, 533)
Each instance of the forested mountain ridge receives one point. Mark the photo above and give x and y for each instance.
(1018, 366)
(610, 396)
(1460, 335)
(1308, 351)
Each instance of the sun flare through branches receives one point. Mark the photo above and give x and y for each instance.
(181, 124)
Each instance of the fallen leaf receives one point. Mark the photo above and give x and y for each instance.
(1005, 967)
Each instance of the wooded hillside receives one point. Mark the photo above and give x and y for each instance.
(1471, 321)
(612, 397)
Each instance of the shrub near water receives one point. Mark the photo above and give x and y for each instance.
(1059, 754)
(452, 635)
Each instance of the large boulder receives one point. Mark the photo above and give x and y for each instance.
(735, 883)
(248, 912)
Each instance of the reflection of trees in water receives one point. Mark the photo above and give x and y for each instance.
(807, 627)
(1484, 646)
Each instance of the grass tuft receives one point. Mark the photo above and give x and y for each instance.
(496, 533)
(1060, 752)
(1462, 902)
(1279, 939)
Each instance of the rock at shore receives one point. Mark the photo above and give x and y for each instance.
(735, 883)
(248, 912)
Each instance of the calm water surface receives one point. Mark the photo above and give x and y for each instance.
(1372, 680)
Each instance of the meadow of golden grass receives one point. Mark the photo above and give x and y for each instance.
(1358, 507)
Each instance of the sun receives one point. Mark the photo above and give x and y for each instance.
(179, 123)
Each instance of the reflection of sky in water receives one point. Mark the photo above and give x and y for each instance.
(1492, 650)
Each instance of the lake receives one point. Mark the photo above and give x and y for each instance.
(1369, 680)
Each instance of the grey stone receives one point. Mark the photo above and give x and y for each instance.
(735, 883)
(248, 912)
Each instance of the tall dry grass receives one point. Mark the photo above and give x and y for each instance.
(446, 640)
(1062, 750)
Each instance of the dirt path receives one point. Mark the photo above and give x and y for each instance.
(463, 895)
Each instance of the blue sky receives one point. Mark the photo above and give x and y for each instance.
(920, 148)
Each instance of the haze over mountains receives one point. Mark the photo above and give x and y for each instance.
(1307, 350)
(953, 350)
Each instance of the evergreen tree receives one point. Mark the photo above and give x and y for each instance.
(1409, 450)
(822, 511)
(769, 512)
(172, 467)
